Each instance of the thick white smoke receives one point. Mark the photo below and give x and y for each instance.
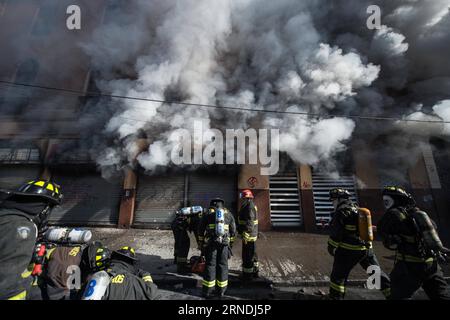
(285, 55)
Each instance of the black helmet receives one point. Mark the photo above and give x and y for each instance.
(127, 252)
(40, 189)
(98, 256)
(338, 193)
(399, 196)
(217, 202)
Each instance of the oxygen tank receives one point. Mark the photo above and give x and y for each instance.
(68, 235)
(428, 231)
(220, 224)
(187, 211)
(97, 285)
(365, 224)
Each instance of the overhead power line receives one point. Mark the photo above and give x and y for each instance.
(200, 105)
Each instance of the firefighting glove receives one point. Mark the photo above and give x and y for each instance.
(331, 250)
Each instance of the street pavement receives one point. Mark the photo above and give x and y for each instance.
(293, 265)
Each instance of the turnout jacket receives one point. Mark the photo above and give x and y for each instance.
(18, 236)
(400, 233)
(129, 282)
(207, 227)
(344, 228)
(248, 221)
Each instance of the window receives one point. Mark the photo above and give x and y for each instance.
(15, 99)
(46, 18)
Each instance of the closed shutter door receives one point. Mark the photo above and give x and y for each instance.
(285, 201)
(12, 177)
(88, 200)
(322, 185)
(158, 198)
(204, 187)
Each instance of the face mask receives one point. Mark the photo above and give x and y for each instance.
(388, 202)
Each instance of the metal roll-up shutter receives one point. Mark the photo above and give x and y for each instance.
(88, 200)
(158, 198)
(204, 187)
(13, 176)
(321, 187)
(285, 201)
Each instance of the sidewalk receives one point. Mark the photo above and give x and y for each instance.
(286, 258)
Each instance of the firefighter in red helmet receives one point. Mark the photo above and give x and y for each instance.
(248, 229)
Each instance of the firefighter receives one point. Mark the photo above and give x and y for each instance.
(128, 282)
(186, 220)
(248, 229)
(347, 247)
(90, 258)
(417, 250)
(217, 231)
(23, 220)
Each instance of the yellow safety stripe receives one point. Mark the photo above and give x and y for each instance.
(386, 292)
(42, 183)
(147, 279)
(20, 296)
(243, 222)
(247, 237)
(409, 258)
(333, 243)
(213, 226)
(200, 238)
(352, 246)
(337, 287)
(222, 284)
(231, 239)
(28, 271)
(49, 253)
(208, 284)
(350, 227)
(248, 270)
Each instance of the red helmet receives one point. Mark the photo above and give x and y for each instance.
(247, 193)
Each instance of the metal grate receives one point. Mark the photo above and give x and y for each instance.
(321, 187)
(285, 201)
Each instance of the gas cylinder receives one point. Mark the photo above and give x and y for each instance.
(97, 285)
(365, 224)
(68, 235)
(220, 225)
(429, 234)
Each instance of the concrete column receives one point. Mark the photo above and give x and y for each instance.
(421, 188)
(128, 201)
(251, 178)
(307, 198)
(367, 183)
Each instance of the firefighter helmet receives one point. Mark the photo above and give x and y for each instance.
(247, 193)
(98, 256)
(339, 193)
(393, 195)
(40, 189)
(127, 252)
(217, 203)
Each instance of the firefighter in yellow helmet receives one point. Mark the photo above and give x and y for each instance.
(128, 282)
(23, 220)
(347, 247)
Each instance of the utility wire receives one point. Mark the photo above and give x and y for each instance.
(189, 104)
